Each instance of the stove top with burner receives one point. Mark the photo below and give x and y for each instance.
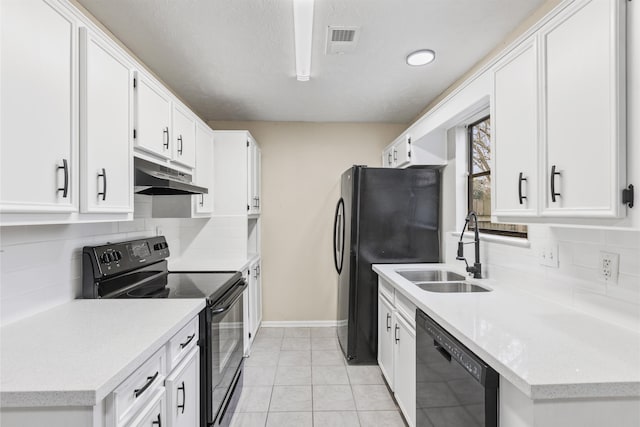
(138, 269)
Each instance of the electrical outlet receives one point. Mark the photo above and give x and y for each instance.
(549, 256)
(608, 267)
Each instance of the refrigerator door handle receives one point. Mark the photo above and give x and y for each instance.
(338, 236)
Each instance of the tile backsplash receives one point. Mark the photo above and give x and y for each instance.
(576, 282)
(41, 266)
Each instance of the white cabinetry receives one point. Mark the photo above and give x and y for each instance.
(183, 393)
(406, 151)
(153, 117)
(583, 74)
(184, 136)
(106, 103)
(514, 119)
(398, 154)
(254, 159)
(204, 170)
(39, 162)
(152, 414)
(397, 347)
(237, 174)
(255, 298)
(559, 118)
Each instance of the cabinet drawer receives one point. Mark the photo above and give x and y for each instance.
(406, 309)
(182, 343)
(153, 414)
(138, 388)
(385, 289)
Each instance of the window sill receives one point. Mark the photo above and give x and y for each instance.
(492, 238)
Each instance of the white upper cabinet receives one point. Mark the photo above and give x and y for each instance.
(237, 160)
(583, 76)
(106, 131)
(204, 170)
(39, 162)
(558, 116)
(254, 160)
(514, 119)
(405, 151)
(184, 136)
(153, 118)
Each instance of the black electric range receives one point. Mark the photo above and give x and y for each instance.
(138, 269)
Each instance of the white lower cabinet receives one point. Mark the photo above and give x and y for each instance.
(255, 298)
(183, 390)
(397, 347)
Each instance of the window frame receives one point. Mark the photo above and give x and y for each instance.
(470, 178)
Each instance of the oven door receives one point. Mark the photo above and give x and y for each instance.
(224, 356)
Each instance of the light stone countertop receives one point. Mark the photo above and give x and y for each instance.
(77, 353)
(547, 350)
(202, 264)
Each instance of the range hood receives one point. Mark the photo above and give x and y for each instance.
(155, 180)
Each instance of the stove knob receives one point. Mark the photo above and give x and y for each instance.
(106, 258)
(157, 246)
(117, 256)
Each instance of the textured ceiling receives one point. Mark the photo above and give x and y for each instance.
(234, 59)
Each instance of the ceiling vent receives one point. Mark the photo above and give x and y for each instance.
(341, 40)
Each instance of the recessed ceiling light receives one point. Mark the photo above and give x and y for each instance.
(421, 57)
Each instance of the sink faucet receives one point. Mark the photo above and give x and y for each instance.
(477, 267)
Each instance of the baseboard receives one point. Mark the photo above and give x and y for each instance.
(299, 323)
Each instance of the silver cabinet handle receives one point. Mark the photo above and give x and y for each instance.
(202, 200)
(396, 334)
(389, 158)
(388, 322)
(180, 145)
(104, 187)
(395, 155)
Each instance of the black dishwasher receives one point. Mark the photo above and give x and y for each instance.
(454, 387)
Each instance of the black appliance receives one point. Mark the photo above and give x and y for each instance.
(138, 269)
(453, 385)
(383, 216)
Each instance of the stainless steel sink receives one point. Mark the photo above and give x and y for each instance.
(451, 287)
(420, 276)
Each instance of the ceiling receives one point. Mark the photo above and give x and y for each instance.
(234, 59)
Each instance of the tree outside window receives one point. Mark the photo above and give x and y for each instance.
(480, 181)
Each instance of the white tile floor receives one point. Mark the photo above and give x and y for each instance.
(298, 377)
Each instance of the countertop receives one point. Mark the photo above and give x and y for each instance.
(77, 353)
(199, 264)
(546, 350)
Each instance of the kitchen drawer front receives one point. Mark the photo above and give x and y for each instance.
(182, 343)
(406, 309)
(153, 414)
(386, 289)
(137, 389)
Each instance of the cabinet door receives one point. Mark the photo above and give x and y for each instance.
(204, 169)
(387, 158)
(584, 99)
(184, 137)
(385, 339)
(514, 120)
(106, 85)
(183, 392)
(39, 164)
(153, 118)
(404, 376)
(255, 298)
(253, 200)
(402, 152)
(257, 171)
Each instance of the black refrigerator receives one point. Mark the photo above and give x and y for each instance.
(384, 216)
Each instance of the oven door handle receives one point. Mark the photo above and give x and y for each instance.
(229, 301)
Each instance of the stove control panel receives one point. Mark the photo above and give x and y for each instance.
(115, 258)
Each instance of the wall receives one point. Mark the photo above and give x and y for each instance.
(41, 265)
(301, 168)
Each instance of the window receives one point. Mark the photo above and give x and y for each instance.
(479, 185)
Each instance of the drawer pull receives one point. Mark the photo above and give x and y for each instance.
(396, 334)
(65, 187)
(184, 397)
(157, 422)
(388, 322)
(137, 392)
(189, 339)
